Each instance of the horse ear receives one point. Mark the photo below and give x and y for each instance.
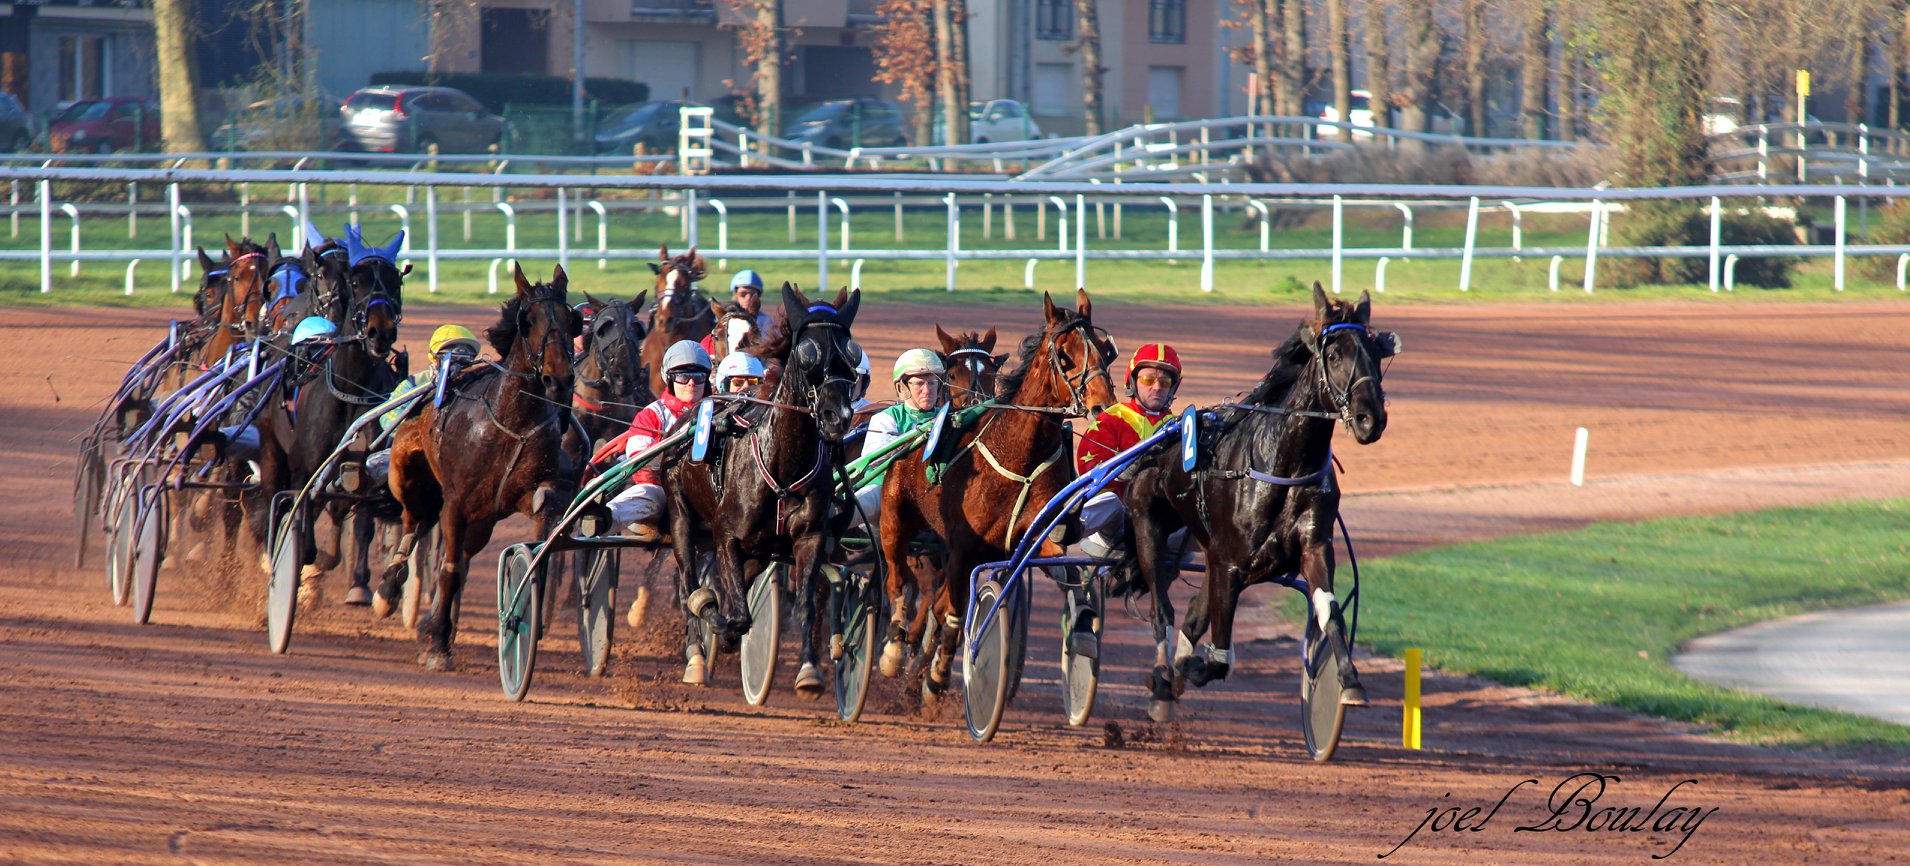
(636, 303)
(1320, 303)
(988, 341)
(523, 285)
(272, 247)
(1047, 308)
(591, 299)
(656, 268)
(560, 280)
(846, 311)
(1000, 360)
(205, 261)
(1082, 305)
(663, 253)
(716, 308)
(1363, 308)
(795, 306)
(948, 342)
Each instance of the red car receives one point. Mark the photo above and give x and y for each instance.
(104, 126)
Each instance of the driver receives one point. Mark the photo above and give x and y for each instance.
(686, 372)
(1153, 375)
(921, 389)
(739, 372)
(746, 289)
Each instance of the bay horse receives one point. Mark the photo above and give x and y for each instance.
(681, 312)
(610, 386)
(1263, 499)
(735, 329)
(361, 292)
(771, 497)
(972, 365)
(1020, 453)
(492, 450)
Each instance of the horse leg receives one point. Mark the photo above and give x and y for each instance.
(437, 629)
(1316, 565)
(897, 527)
(1219, 608)
(948, 613)
(1149, 553)
(807, 580)
(687, 592)
(364, 527)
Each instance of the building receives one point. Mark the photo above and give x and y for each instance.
(54, 52)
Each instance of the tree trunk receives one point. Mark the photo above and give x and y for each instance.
(1261, 21)
(1091, 70)
(948, 95)
(1338, 61)
(1475, 59)
(1534, 50)
(1899, 65)
(178, 76)
(1857, 95)
(1568, 92)
(1377, 76)
(1424, 42)
(769, 68)
(1293, 68)
(958, 31)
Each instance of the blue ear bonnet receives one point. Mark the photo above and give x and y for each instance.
(286, 281)
(359, 251)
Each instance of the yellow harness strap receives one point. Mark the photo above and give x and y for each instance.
(1027, 484)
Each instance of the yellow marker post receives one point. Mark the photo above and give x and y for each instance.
(1410, 735)
(1803, 94)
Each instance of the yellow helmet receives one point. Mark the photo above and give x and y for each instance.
(453, 337)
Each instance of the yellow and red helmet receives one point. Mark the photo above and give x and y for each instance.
(1160, 356)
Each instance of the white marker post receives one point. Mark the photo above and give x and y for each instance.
(1578, 457)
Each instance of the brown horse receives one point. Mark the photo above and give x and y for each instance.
(246, 266)
(771, 496)
(972, 365)
(681, 311)
(492, 450)
(1263, 499)
(1017, 454)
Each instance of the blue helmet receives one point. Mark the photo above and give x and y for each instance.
(746, 277)
(313, 328)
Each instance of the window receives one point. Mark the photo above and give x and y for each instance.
(1054, 20)
(82, 67)
(1167, 21)
(1163, 91)
(1054, 90)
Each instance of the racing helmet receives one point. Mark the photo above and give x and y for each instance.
(313, 328)
(454, 338)
(1160, 356)
(686, 354)
(738, 364)
(917, 361)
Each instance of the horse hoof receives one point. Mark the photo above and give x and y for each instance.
(639, 609)
(835, 648)
(381, 607)
(701, 601)
(1162, 712)
(358, 596)
(310, 594)
(694, 671)
(434, 660)
(1354, 696)
(809, 682)
(891, 658)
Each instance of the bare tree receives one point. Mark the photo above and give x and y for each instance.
(178, 76)
(1475, 43)
(1568, 91)
(1089, 44)
(762, 37)
(904, 51)
(958, 50)
(1338, 61)
(1899, 59)
(1378, 77)
(1292, 73)
(1534, 49)
(1424, 44)
(949, 94)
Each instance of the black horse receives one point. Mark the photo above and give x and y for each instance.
(611, 381)
(1263, 499)
(772, 495)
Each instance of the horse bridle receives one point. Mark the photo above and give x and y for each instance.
(979, 363)
(596, 348)
(378, 296)
(543, 345)
(811, 391)
(256, 290)
(1078, 386)
(1343, 399)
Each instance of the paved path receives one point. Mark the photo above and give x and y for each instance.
(1855, 660)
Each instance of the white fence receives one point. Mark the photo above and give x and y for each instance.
(835, 195)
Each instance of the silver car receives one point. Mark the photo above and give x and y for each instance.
(404, 119)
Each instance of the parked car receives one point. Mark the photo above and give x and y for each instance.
(104, 126)
(1360, 115)
(399, 119)
(1723, 115)
(291, 123)
(846, 123)
(16, 126)
(653, 124)
(995, 120)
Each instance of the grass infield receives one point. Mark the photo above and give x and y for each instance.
(1597, 612)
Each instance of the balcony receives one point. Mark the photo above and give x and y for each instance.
(668, 11)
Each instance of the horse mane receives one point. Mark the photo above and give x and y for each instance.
(1291, 356)
(504, 334)
(1010, 383)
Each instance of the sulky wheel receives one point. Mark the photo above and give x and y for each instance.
(1322, 716)
(287, 561)
(519, 594)
(596, 607)
(856, 608)
(149, 549)
(123, 508)
(1081, 622)
(987, 651)
(1024, 598)
(757, 656)
(86, 494)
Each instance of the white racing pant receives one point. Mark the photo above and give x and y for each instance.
(869, 511)
(1104, 524)
(638, 503)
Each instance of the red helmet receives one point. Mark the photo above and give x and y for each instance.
(1157, 355)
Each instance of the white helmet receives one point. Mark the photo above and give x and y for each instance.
(686, 353)
(918, 361)
(737, 364)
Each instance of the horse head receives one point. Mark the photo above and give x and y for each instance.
(247, 265)
(1346, 355)
(613, 343)
(735, 328)
(376, 285)
(1067, 360)
(972, 365)
(209, 300)
(820, 373)
(534, 332)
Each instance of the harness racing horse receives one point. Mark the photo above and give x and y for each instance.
(610, 385)
(771, 496)
(735, 329)
(361, 292)
(492, 450)
(1263, 498)
(972, 366)
(1019, 454)
(681, 312)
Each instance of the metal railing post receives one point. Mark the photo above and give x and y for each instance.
(855, 274)
(510, 224)
(1379, 275)
(1266, 222)
(430, 238)
(1472, 235)
(404, 224)
(822, 238)
(1173, 226)
(563, 230)
(1552, 274)
(45, 190)
(843, 206)
(1838, 267)
(1717, 234)
(1339, 241)
(1207, 245)
(1028, 274)
(132, 211)
(1081, 241)
(184, 267)
(603, 232)
(1406, 234)
(1518, 230)
(898, 217)
(130, 267)
(954, 225)
(1730, 272)
(1591, 245)
(172, 208)
(70, 210)
(722, 230)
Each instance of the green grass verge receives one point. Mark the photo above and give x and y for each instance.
(1596, 613)
(1408, 281)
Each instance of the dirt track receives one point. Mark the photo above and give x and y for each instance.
(185, 741)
